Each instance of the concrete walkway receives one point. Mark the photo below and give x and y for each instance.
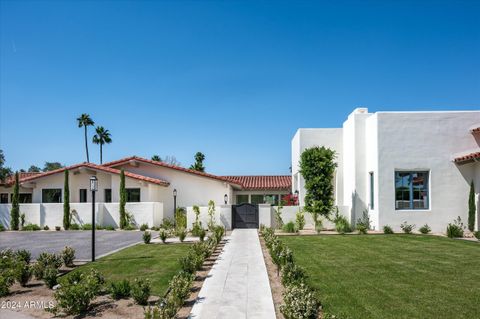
(237, 285)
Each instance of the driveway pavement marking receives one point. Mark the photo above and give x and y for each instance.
(237, 285)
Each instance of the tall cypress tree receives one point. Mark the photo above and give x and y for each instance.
(123, 200)
(66, 203)
(15, 212)
(471, 208)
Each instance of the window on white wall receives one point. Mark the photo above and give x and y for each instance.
(242, 199)
(52, 195)
(411, 190)
(133, 194)
(83, 195)
(4, 198)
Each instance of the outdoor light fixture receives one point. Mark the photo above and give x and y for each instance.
(93, 188)
(225, 198)
(93, 183)
(174, 207)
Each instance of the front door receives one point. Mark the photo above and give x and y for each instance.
(245, 216)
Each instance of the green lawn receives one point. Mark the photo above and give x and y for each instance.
(392, 276)
(157, 262)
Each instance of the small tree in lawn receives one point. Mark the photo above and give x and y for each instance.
(66, 202)
(471, 208)
(123, 200)
(15, 212)
(317, 167)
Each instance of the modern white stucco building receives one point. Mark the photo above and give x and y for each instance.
(400, 166)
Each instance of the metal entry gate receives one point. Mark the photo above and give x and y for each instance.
(245, 216)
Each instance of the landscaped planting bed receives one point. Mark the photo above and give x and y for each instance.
(391, 276)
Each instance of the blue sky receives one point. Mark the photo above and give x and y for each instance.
(233, 79)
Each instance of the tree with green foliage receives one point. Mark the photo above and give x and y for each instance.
(66, 202)
(51, 166)
(85, 121)
(4, 171)
(15, 212)
(198, 165)
(34, 169)
(101, 137)
(156, 158)
(317, 166)
(471, 208)
(123, 201)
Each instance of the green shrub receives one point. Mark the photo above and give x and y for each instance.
(167, 223)
(167, 310)
(218, 232)
(22, 272)
(31, 227)
(361, 229)
(477, 234)
(181, 233)
(191, 262)
(342, 225)
(147, 236)
(407, 228)
(456, 230)
(299, 220)
(37, 270)
(50, 276)
(472, 209)
(23, 255)
(58, 228)
(179, 288)
(143, 227)
(163, 235)
(74, 226)
(425, 229)
(291, 274)
(130, 227)
(50, 259)
(120, 289)
(22, 220)
(289, 227)
(278, 217)
(46, 227)
(363, 224)
(99, 227)
(140, 291)
(74, 297)
(181, 218)
(2, 228)
(87, 226)
(387, 230)
(6, 280)
(299, 302)
(68, 256)
(109, 227)
(201, 234)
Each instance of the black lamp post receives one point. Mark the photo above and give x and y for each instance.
(225, 198)
(175, 207)
(93, 188)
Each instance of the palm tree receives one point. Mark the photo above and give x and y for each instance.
(102, 137)
(84, 121)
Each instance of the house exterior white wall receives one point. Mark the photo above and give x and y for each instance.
(306, 138)
(191, 189)
(385, 142)
(223, 216)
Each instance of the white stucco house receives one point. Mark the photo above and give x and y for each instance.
(149, 187)
(400, 166)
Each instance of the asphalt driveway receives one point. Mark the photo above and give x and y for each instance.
(54, 241)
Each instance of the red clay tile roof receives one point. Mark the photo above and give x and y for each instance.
(11, 179)
(281, 182)
(91, 166)
(178, 168)
(467, 158)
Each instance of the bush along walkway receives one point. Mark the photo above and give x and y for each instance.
(299, 300)
(173, 304)
(237, 286)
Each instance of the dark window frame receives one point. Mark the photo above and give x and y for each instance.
(82, 195)
(410, 190)
(3, 197)
(129, 194)
(51, 189)
(107, 198)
